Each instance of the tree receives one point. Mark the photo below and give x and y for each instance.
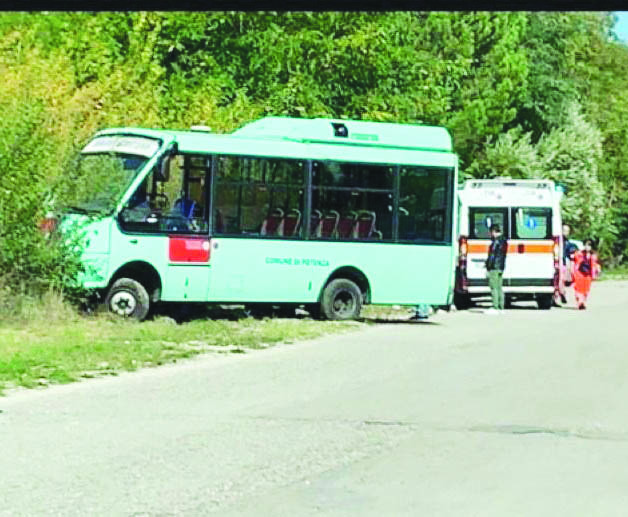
(511, 155)
(607, 106)
(570, 155)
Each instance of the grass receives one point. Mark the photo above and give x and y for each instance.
(56, 345)
(374, 313)
(616, 273)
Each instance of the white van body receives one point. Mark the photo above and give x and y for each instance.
(528, 212)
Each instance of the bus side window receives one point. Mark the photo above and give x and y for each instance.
(172, 204)
(259, 196)
(355, 200)
(424, 204)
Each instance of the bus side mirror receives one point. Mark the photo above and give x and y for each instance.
(163, 171)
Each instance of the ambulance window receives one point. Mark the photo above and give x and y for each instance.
(532, 223)
(482, 219)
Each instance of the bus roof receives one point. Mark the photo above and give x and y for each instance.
(314, 139)
(349, 132)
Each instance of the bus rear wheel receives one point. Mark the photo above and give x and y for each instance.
(128, 298)
(341, 300)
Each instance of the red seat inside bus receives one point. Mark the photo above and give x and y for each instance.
(273, 224)
(345, 226)
(316, 220)
(291, 223)
(329, 224)
(364, 225)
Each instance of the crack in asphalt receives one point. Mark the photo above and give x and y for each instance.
(508, 429)
(583, 434)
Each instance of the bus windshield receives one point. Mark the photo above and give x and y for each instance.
(102, 179)
(106, 168)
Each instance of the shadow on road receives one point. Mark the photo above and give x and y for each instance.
(398, 321)
(188, 312)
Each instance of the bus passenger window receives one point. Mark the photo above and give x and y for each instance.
(260, 197)
(354, 199)
(424, 204)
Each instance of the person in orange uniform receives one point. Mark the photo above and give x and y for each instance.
(585, 269)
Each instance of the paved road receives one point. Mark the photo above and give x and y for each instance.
(524, 413)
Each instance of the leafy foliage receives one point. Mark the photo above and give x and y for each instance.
(570, 155)
(511, 155)
(28, 260)
(507, 84)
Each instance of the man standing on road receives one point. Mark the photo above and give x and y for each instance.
(495, 264)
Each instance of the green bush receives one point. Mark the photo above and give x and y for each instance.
(31, 262)
(503, 83)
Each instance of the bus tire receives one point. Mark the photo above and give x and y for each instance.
(544, 301)
(128, 298)
(341, 300)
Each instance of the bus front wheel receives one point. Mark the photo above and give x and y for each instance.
(341, 300)
(128, 298)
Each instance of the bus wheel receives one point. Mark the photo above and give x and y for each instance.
(341, 300)
(544, 301)
(128, 298)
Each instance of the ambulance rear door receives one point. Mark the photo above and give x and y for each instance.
(481, 218)
(530, 260)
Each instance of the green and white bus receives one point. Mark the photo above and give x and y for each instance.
(317, 213)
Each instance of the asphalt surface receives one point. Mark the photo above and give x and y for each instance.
(524, 413)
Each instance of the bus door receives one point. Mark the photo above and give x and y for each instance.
(258, 254)
(165, 224)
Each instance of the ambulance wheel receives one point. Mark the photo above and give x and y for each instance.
(128, 298)
(544, 301)
(341, 300)
(462, 301)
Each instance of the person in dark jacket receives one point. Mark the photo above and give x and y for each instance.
(495, 264)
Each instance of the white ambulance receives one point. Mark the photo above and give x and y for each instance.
(528, 211)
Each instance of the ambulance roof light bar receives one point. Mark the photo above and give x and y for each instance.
(508, 182)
